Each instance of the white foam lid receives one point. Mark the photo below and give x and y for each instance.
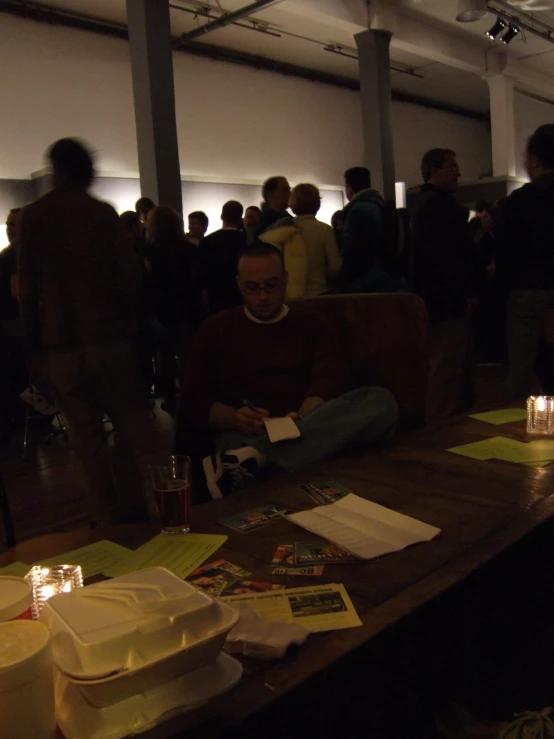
(129, 621)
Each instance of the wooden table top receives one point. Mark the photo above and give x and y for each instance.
(482, 507)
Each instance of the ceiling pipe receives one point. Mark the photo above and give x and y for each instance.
(46, 13)
(227, 19)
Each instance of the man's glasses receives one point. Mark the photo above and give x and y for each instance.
(254, 288)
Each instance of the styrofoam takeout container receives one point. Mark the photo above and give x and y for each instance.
(107, 691)
(79, 720)
(132, 624)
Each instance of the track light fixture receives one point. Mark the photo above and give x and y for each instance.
(510, 34)
(471, 10)
(499, 26)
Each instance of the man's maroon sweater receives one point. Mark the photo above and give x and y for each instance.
(273, 366)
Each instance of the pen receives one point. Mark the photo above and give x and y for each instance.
(249, 405)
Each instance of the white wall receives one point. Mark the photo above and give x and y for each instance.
(418, 129)
(235, 124)
(529, 115)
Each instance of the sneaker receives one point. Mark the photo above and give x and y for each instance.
(529, 725)
(225, 475)
(58, 423)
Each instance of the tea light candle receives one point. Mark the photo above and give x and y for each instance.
(49, 581)
(540, 414)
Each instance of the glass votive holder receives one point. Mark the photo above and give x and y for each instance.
(540, 415)
(49, 581)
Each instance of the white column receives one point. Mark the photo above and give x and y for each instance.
(375, 86)
(503, 131)
(154, 97)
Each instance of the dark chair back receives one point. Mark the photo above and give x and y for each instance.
(385, 343)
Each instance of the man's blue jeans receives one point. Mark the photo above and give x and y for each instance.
(352, 421)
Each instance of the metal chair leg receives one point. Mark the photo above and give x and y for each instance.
(26, 431)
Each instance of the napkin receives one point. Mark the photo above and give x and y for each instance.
(253, 637)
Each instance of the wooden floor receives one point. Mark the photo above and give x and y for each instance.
(43, 486)
(44, 489)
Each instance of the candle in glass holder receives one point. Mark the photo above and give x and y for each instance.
(49, 581)
(540, 415)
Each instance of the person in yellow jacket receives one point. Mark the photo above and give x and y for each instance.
(287, 238)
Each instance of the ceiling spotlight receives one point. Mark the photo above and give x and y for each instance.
(510, 34)
(471, 10)
(499, 26)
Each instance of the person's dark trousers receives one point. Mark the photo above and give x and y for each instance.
(524, 331)
(13, 377)
(154, 340)
(449, 368)
(353, 421)
(89, 381)
(544, 366)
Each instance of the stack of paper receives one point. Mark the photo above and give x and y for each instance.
(94, 558)
(537, 453)
(364, 528)
(181, 554)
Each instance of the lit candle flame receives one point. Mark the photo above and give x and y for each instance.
(541, 404)
(47, 591)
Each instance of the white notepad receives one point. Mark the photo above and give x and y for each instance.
(364, 528)
(281, 429)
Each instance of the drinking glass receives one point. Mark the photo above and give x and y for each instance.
(171, 486)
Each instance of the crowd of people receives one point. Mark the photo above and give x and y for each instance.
(102, 312)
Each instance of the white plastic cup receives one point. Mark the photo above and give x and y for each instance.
(26, 681)
(16, 599)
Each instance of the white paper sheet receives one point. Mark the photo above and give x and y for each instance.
(364, 528)
(281, 429)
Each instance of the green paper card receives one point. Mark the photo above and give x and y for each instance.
(16, 569)
(509, 450)
(93, 558)
(506, 415)
(180, 553)
(485, 449)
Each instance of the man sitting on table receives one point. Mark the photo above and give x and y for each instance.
(266, 359)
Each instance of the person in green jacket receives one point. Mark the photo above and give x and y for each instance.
(363, 236)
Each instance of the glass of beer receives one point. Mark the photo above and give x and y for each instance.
(171, 486)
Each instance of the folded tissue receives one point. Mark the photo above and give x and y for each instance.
(253, 637)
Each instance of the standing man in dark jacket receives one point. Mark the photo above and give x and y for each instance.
(275, 194)
(218, 256)
(13, 375)
(526, 259)
(445, 277)
(362, 238)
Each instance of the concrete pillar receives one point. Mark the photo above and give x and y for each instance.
(374, 61)
(154, 96)
(503, 130)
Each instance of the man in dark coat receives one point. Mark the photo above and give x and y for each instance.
(445, 277)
